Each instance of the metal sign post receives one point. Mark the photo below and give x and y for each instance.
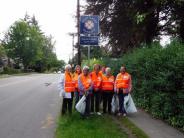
(89, 55)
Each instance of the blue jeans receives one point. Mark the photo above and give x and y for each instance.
(121, 96)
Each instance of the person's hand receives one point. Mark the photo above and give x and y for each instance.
(96, 89)
(129, 90)
(86, 93)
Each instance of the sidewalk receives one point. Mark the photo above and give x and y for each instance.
(154, 128)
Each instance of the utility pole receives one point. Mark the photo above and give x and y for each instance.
(78, 32)
(73, 48)
(73, 44)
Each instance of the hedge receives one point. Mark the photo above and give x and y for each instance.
(8, 70)
(158, 79)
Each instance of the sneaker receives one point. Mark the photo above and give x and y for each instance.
(104, 112)
(124, 115)
(92, 113)
(119, 114)
(98, 113)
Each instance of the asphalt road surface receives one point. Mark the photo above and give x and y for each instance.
(29, 106)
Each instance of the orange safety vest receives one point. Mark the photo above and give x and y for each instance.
(86, 81)
(75, 79)
(96, 79)
(107, 83)
(123, 80)
(69, 83)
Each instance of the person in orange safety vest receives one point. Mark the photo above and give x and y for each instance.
(67, 87)
(96, 77)
(107, 89)
(75, 79)
(85, 87)
(123, 86)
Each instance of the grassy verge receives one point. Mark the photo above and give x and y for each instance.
(133, 128)
(94, 127)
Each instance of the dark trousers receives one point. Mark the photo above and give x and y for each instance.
(95, 100)
(107, 98)
(76, 94)
(87, 110)
(121, 96)
(67, 105)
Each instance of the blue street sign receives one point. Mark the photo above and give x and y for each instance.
(86, 40)
(89, 24)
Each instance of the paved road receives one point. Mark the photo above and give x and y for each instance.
(29, 106)
(153, 127)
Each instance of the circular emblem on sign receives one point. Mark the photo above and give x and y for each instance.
(89, 24)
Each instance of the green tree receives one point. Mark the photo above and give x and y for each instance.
(2, 51)
(127, 24)
(25, 43)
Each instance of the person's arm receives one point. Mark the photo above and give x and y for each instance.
(80, 85)
(130, 85)
(115, 83)
(91, 86)
(61, 83)
(61, 86)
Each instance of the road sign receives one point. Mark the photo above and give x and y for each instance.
(86, 40)
(89, 24)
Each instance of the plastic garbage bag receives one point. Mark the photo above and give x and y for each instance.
(129, 104)
(115, 104)
(81, 105)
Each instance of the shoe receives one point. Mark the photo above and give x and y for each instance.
(119, 114)
(109, 113)
(104, 112)
(124, 115)
(98, 113)
(92, 113)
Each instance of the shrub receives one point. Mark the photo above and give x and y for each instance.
(8, 70)
(158, 79)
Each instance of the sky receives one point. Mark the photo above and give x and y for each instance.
(56, 17)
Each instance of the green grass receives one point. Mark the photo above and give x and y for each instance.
(133, 128)
(93, 127)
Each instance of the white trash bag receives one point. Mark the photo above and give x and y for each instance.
(129, 104)
(115, 104)
(81, 105)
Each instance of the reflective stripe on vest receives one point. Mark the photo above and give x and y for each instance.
(122, 80)
(107, 83)
(69, 83)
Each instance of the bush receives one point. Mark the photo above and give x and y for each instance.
(158, 80)
(8, 70)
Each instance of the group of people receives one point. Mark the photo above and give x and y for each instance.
(98, 86)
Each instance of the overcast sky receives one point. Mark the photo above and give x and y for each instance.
(56, 17)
